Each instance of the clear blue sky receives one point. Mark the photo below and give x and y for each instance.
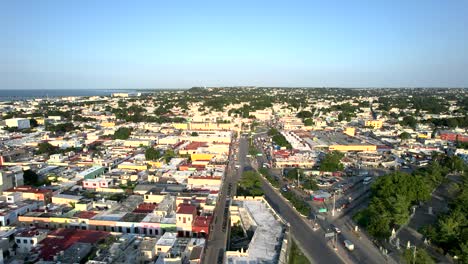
(180, 44)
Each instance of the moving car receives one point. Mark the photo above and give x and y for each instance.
(349, 245)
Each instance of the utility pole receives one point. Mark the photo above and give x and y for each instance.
(298, 178)
(333, 210)
(414, 255)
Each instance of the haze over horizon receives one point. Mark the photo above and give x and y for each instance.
(109, 44)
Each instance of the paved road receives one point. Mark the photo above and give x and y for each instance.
(216, 244)
(313, 242)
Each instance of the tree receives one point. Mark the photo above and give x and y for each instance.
(332, 162)
(152, 154)
(308, 122)
(122, 133)
(169, 154)
(310, 184)
(304, 114)
(194, 134)
(409, 121)
(60, 128)
(421, 257)
(30, 177)
(250, 184)
(47, 148)
(405, 136)
(33, 122)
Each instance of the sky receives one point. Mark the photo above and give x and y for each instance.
(179, 44)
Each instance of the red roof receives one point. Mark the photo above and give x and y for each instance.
(85, 214)
(145, 208)
(62, 239)
(187, 209)
(28, 189)
(202, 221)
(195, 145)
(28, 233)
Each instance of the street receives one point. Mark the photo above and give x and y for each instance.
(216, 244)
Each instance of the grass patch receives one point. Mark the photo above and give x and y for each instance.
(296, 256)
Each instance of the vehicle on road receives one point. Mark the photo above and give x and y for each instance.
(349, 245)
(335, 228)
(367, 180)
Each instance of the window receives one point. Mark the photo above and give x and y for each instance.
(18, 241)
(31, 241)
(151, 231)
(128, 230)
(25, 241)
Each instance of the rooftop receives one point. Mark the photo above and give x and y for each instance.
(186, 209)
(263, 248)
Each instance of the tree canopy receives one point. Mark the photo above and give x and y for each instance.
(152, 154)
(332, 162)
(250, 184)
(122, 133)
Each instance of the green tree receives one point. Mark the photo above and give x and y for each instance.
(46, 148)
(405, 136)
(304, 114)
(332, 162)
(122, 133)
(33, 122)
(30, 177)
(169, 154)
(409, 121)
(152, 154)
(421, 257)
(194, 134)
(250, 184)
(308, 122)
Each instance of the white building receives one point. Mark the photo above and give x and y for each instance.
(28, 239)
(20, 123)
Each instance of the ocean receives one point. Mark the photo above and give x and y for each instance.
(15, 95)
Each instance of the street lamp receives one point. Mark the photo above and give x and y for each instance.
(414, 251)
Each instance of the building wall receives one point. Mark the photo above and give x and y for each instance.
(376, 124)
(201, 156)
(353, 147)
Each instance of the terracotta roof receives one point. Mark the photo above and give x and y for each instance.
(28, 189)
(186, 209)
(62, 239)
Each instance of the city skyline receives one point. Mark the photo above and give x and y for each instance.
(107, 45)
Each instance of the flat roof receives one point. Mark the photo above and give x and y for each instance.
(266, 241)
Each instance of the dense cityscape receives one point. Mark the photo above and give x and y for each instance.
(236, 175)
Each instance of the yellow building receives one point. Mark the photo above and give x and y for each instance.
(181, 126)
(65, 199)
(132, 166)
(376, 124)
(345, 148)
(350, 131)
(108, 124)
(201, 156)
(203, 181)
(153, 198)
